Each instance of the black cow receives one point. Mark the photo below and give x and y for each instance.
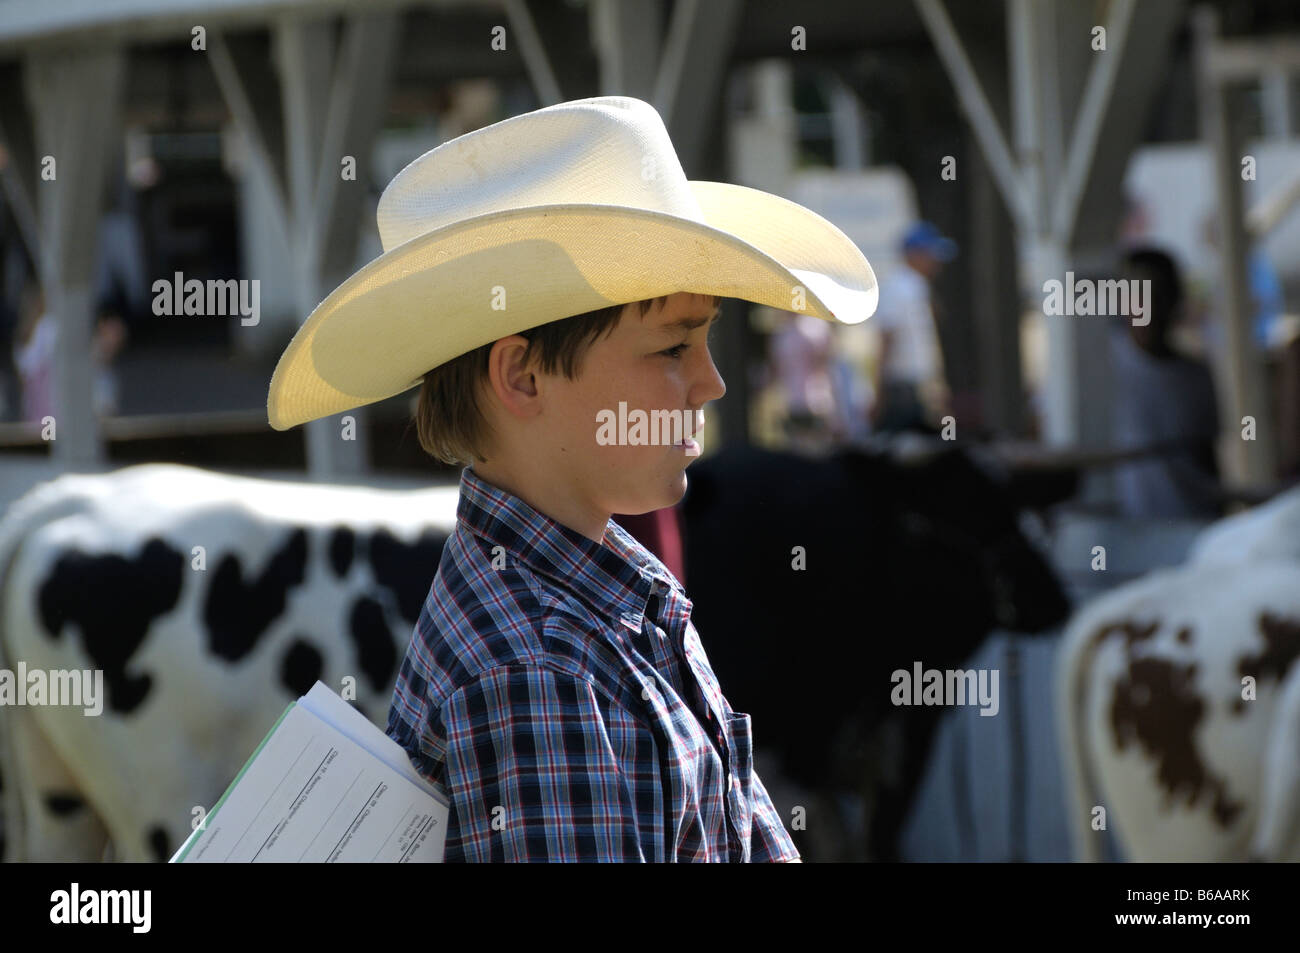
(906, 560)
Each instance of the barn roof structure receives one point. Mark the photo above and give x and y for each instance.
(1038, 114)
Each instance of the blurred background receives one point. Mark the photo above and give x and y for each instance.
(975, 152)
(987, 120)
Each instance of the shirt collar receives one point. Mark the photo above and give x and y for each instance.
(616, 578)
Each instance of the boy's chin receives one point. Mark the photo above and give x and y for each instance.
(675, 491)
(656, 495)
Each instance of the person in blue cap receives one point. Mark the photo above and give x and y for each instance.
(909, 383)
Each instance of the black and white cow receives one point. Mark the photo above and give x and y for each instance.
(1156, 724)
(210, 602)
(907, 557)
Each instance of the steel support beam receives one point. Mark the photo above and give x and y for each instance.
(362, 79)
(627, 37)
(1045, 182)
(974, 104)
(75, 97)
(536, 61)
(20, 172)
(688, 86)
(301, 111)
(1251, 461)
(1092, 112)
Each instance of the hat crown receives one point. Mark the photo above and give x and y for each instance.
(609, 150)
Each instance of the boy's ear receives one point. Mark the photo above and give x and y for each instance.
(509, 376)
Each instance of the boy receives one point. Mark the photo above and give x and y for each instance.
(555, 689)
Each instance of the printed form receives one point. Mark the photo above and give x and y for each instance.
(325, 786)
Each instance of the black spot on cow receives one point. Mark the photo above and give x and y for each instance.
(301, 667)
(1281, 647)
(1184, 636)
(376, 648)
(343, 542)
(236, 612)
(112, 600)
(64, 804)
(159, 844)
(1156, 705)
(406, 569)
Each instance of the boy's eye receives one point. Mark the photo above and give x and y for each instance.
(676, 350)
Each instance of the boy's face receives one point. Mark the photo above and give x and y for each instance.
(657, 362)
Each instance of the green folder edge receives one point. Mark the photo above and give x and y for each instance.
(195, 834)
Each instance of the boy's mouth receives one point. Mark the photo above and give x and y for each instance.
(688, 443)
(690, 446)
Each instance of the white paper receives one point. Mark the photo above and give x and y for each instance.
(313, 794)
(333, 710)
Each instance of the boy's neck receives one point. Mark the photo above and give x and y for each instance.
(557, 506)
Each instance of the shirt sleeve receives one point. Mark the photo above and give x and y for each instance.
(532, 774)
(769, 841)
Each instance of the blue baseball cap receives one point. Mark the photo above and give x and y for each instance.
(923, 236)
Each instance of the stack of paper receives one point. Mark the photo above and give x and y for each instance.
(325, 785)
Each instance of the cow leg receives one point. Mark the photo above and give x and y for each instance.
(912, 734)
(1277, 831)
(56, 823)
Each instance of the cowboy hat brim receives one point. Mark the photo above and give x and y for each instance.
(383, 329)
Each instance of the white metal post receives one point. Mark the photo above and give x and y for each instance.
(1249, 460)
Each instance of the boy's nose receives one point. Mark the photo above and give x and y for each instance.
(713, 386)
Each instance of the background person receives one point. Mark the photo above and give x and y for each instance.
(1162, 395)
(910, 393)
(34, 358)
(801, 356)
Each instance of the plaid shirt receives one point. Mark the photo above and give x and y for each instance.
(557, 694)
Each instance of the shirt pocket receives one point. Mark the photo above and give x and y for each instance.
(740, 796)
(698, 661)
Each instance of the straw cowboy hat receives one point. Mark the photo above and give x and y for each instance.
(542, 216)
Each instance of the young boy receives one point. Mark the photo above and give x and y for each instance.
(554, 689)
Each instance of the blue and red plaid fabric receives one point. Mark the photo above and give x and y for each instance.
(556, 692)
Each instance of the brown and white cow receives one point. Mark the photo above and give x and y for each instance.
(1179, 701)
